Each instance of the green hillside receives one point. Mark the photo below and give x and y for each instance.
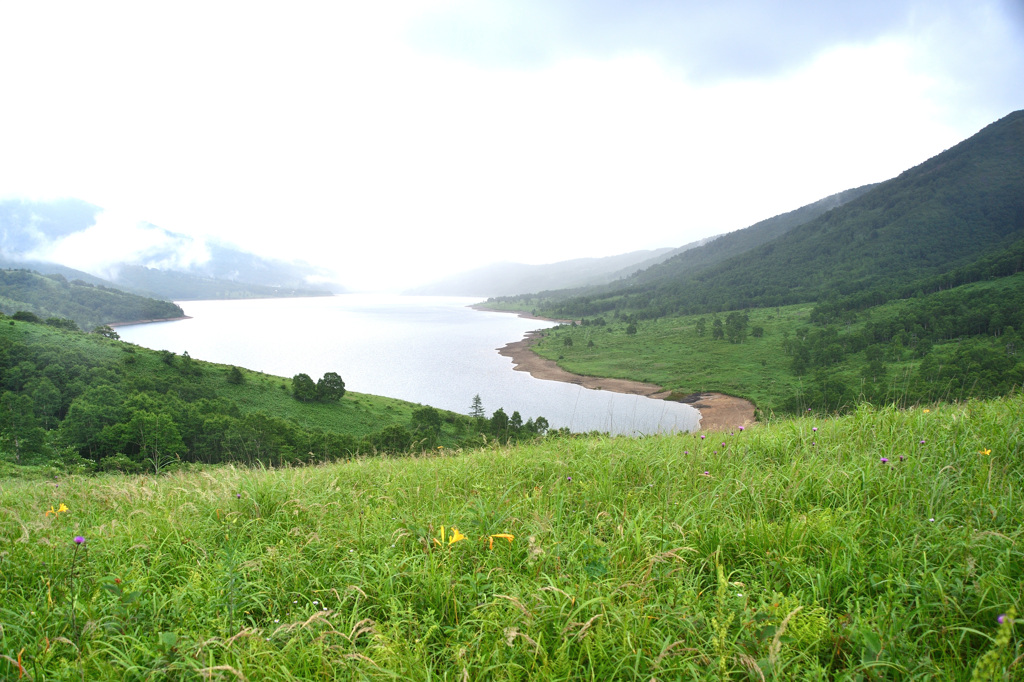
(93, 402)
(961, 207)
(885, 545)
(88, 305)
(954, 344)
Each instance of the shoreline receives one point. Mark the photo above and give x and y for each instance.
(718, 412)
(158, 319)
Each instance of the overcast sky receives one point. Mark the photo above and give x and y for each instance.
(401, 141)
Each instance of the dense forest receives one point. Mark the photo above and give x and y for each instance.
(94, 402)
(956, 218)
(88, 305)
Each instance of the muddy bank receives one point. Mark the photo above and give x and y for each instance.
(718, 412)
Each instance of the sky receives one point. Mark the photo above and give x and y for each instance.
(400, 142)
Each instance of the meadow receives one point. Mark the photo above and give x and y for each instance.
(884, 544)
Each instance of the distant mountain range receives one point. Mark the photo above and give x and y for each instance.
(506, 279)
(170, 266)
(512, 279)
(956, 218)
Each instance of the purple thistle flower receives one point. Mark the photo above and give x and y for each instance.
(1001, 619)
(568, 479)
(922, 441)
(702, 436)
(238, 495)
(723, 445)
(901, 458)
(686, 452)
(741, 428)
(814, 428)
(885, 460)
(814, 442)
(79, 539)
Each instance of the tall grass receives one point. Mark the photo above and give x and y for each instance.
(883, 545)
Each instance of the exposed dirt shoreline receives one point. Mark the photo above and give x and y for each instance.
(718, 412)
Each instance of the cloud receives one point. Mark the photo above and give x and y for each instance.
(710, 42)
(117, 239)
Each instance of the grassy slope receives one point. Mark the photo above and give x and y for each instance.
(357, 414)
(880, 570)
(670, 353)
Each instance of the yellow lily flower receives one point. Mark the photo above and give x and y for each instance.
(501, 535)
(62, 508)
(455, 537)
(984, 452)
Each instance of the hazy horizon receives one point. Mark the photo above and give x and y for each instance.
(394, 145)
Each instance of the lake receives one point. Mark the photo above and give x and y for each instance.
(433, 350)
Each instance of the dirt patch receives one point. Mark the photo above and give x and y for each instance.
(718, 412)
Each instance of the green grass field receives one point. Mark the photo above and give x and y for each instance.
(882, 545)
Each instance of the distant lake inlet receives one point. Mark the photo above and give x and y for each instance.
(433, 350)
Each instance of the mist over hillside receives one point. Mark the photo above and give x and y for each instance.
(71, 236)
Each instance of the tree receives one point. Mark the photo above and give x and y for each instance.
(235, 376)
(631, 329)
(701, 326)
(476, 409)
(303, 388)
(19, 429)
(717, 333)
(156, 436)
(499, 423)
(426, 422)
(330, 387)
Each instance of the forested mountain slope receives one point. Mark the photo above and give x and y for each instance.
(88, 305)
(953, 212)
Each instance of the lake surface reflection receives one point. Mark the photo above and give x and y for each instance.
(425, 349)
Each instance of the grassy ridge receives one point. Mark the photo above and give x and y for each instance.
(949, 345)
(880, 545)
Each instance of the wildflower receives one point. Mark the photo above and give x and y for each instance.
(238, 495)
(723, 445)
(885, 460)
(62, 508)
(455, 537)
(984, 452)
(706, 473)
(568, 479)
(741, 428)
(79, 539)
(901, 458)
(501, 535)
(1001, 619)
(702, 436)
(922, 441)
(926, 410)
(932, 519)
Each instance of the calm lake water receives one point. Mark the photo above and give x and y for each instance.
(432, 350)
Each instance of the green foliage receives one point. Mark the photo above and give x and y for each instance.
(87, 402)
(476, 408)
(952, 220)
(330, 387)
(87, 306)
(303, 388)
(785, 554)
(957, 343)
